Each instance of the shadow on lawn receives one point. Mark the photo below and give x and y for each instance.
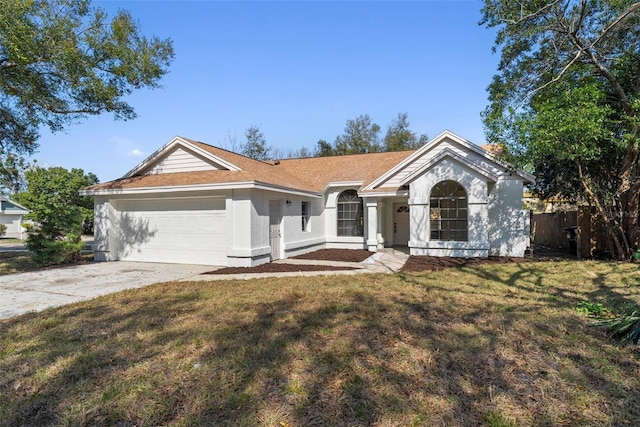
(396, 350)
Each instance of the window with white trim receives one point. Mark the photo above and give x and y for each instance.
(304, 213)
(448, 212)
(350, 214)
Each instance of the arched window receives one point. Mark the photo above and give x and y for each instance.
(448, 212)
(350, 216)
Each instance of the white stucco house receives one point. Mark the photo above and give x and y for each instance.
(190, 202)
(11, 215)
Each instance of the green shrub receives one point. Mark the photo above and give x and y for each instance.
(626, 327)
(3, 229)
(58, 212)
(58, 251)
(593, 309)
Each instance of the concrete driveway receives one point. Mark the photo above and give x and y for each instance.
(35, 291)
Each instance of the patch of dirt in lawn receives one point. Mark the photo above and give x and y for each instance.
(346, 255)
(277, 268)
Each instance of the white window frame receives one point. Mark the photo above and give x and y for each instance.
(449, 212)
(350, 214)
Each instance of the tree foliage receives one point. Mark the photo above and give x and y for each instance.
(61, 61)
(58, 211)
(399, 137)
(12, 169)
(256, 145)
(566, 102)
(324, 148)
(362, 135)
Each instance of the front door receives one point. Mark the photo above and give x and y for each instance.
(274, 228)
(400, 224)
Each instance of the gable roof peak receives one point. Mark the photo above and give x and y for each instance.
(186, 143)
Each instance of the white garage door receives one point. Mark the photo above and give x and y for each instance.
(184, 231)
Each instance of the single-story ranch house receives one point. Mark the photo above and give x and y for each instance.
(11, 215)
(190, 202)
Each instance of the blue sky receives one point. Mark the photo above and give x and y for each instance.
(299, 70)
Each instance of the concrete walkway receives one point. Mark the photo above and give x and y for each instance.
(34, 291)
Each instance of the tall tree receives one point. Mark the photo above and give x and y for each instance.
(567, 97)
(360, 136)
(12, 170)
(61, 61)
(58, 211)
(399, 137)
(323, 149)
(256, 146)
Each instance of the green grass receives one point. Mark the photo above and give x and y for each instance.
(10, 240)
(22, 262)
(16, 262)
(494, 345)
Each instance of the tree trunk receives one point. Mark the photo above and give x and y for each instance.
(632, 223)
(613, 228)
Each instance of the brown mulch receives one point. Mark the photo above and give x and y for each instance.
(413, 264)
(347, 255)
(272, 267)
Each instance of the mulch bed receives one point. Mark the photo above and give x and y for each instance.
(276, 268)
(414, 264)
(347, 255)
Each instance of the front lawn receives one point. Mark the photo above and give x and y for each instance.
(16, 262)
(22, 262)
(493, 345)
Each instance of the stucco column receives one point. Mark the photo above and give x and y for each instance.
(372, 225)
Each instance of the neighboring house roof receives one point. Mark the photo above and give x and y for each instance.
(213, 167)
(10, 207)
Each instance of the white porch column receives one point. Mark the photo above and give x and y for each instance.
(373, 223)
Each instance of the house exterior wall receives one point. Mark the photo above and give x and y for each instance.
(13, 223)
(508, 222)
(11, 216)
(248, 219)
(104, 229)
(476, 187)
(295, 240)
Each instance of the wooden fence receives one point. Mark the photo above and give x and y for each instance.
(547, 229)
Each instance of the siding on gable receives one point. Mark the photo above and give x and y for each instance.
(180, 160)
(395, 180)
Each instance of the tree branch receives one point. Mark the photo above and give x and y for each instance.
(631, 9)
(529, 16)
